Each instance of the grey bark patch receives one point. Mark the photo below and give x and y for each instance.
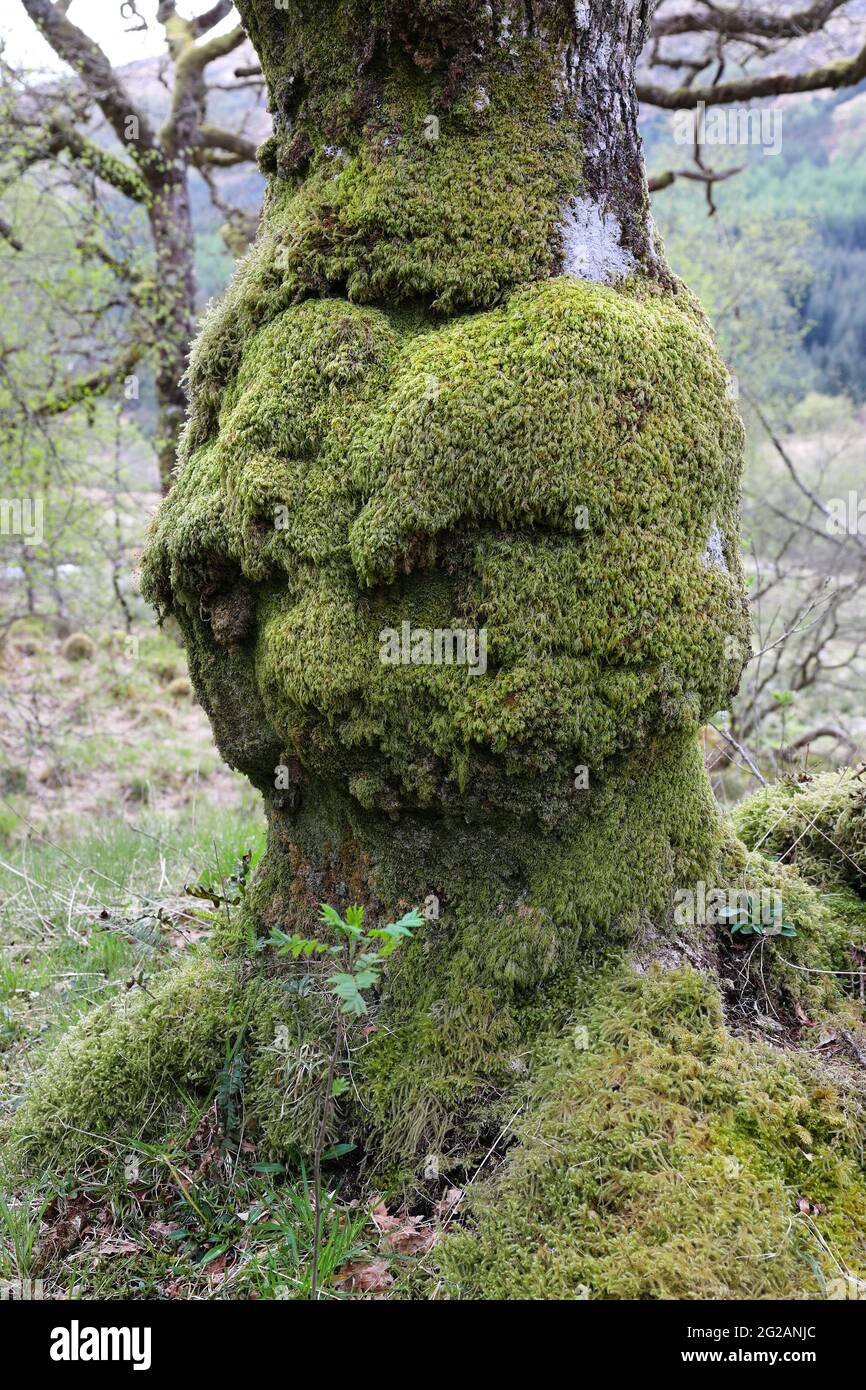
(592, 246)
(715, 552)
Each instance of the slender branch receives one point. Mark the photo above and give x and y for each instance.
(707, 176)
(215, 15)
(789, 464)
(744, 23)
(60, 138)
(95, 384)
(844, 73)
(7, 233)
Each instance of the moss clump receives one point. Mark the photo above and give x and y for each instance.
(79, 647)
(115, 1075)
(811, 971)
(819, 825)
(408, 195)
(495, 973)
(657, 1157)
(551, 473)
(180, 688)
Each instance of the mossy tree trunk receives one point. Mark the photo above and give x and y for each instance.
(454, 549)
(454, 543)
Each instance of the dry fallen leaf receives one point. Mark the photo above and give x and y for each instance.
(364, 1276)
(114, 1245)
(383, 1220)
(446, 1205)
(163, 1228)
(411, 1237)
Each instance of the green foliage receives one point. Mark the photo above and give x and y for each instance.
(20, 1225)
(114, 1071)
(788, 240)
(809, 968)
(364, 952)
(746, 918)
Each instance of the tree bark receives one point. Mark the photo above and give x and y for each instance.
(174, 310)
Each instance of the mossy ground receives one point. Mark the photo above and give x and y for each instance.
(648, 1151)
(818, 824)
(657, 1157)
(640, 1150)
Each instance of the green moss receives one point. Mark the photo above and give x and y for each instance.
(819, 825)
(372, 470)
(813, 969)
(397, 189)
(453, 213)
(115, 1077)
(405, 420)
(479, 988)
(657, 1157)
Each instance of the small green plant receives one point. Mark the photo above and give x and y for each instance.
(746, 918)
(224, 890)
(362, 953)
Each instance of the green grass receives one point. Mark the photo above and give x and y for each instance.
(197, 1215)
(80, 918)
(94, 864)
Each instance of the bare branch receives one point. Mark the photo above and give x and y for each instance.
(744, 23)
(86, 58)
(210, 137)
(708, 176)
(215, 15)
(844, 73)
(8, 234)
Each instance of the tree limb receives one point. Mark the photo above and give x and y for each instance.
(210, 137)
(7, 233)
(86, 387)
(744, 23)
(86, 58)
(207, 21)
(844, 73)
